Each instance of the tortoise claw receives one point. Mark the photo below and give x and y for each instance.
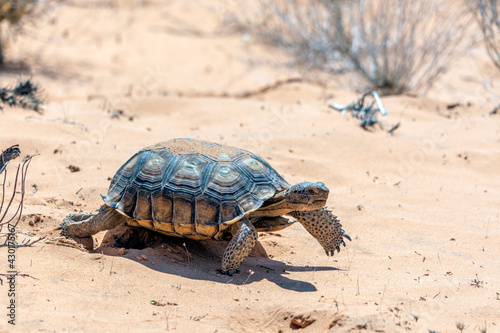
(338, 248)
(346, 235)
(228, 273)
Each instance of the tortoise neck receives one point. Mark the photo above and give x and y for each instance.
(275, 206)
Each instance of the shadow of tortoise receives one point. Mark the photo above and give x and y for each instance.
(195, 259)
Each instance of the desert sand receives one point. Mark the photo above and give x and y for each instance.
(422, 205)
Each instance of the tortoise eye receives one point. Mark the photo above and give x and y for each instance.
(311, 191)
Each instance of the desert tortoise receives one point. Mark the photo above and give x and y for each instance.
(203, 190)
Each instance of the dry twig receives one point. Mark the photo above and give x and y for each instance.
(68, 242)
(22, 170)
(487, 15)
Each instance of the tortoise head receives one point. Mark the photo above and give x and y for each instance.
(307, 196)
(302, 197)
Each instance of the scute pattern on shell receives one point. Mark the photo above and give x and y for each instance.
(191, 188)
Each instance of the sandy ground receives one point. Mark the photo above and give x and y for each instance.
(422, 205)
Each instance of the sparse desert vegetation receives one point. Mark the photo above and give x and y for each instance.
(488, 18)
(13, 13)
(11, 202)
(25, 94)
(397, 46)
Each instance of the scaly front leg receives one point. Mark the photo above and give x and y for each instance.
(239, 247)
(323, 226)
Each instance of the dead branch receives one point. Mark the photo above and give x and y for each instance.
(7, 155)
(6, 275)
(22, 170)
(488, 17)
(68, 242)
(24, 243)
(252, 93)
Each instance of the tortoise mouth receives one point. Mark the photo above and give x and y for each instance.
(318, 202)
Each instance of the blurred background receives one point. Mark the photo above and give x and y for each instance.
(227, 46)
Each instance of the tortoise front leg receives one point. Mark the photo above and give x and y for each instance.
(239, 247)
(86, 225)
(325, 227)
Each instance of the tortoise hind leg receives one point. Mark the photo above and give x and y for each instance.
(239, 247)
(85, 225)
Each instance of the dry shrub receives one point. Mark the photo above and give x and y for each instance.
(310, 30)
(17, 11)
(25, 94)
(486, 13)
(13, 11)
(397, 45)
(11, 204)
(405, 45)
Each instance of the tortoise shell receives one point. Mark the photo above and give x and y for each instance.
(191, 188)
